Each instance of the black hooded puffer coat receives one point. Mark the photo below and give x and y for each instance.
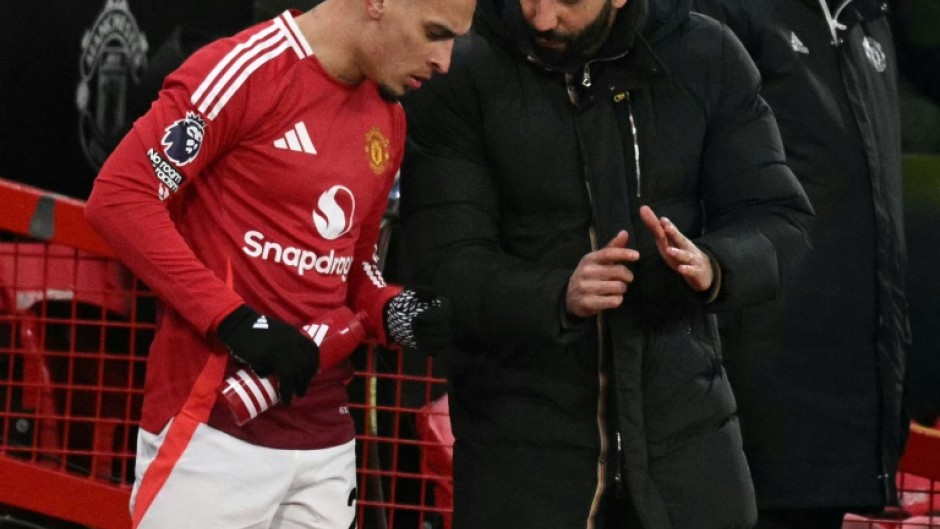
(507, 183)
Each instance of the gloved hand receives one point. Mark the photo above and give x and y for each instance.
(418, 319)
(271, 347)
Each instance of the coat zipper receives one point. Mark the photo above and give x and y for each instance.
(636, 144)
(601, 400)
(618, 476)
(634, 137)
(586, 69)
(602, 388)
(586, 81)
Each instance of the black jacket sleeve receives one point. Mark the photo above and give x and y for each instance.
(756, 212)
(451, 217)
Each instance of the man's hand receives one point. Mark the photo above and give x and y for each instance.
(418, 319)
(271, 347)
(601, 278)
(681, 254)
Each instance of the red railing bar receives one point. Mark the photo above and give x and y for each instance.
(57, 494)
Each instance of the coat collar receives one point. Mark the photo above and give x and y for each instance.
(854, 12)
(497, 20)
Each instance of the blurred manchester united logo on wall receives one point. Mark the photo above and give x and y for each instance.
(114, 54)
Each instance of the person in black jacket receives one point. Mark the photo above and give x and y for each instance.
(818, 373)
(590, 183)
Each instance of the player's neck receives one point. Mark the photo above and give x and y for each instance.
(331, 31)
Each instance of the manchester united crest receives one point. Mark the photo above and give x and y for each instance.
(377, 150)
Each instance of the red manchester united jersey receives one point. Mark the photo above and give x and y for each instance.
(255, 178)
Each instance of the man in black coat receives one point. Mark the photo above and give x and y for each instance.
(589, 184)
(818, 373)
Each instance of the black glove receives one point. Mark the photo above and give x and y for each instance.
(271, 347)
(419, 320)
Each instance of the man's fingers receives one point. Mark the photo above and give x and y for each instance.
(591, 305)
(604, 272)
(666, 233)
(614, 252)
(595, 304)
(617, 273)
(676, 237)
(601, 278)
(587, 297)
(610, 255)
(602, 288)
(652, 223)
(619, 240)
(682, 257)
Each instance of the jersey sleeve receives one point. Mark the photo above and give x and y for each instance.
(368, 290)
(192, 123)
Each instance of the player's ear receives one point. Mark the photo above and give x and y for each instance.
(375, 8)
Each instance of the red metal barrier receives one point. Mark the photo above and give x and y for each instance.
(919, 486)
(75, 327)
(74, 332)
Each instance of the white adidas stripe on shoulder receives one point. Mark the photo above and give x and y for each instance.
(240, 80)
(294, 35)
(231, 72)
(221, 65)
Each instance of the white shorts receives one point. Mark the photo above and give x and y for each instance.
(222, 482)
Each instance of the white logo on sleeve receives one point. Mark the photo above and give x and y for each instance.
(297, 140)
(183, 138)
(797, 44)
(333, 215)
(876, 56)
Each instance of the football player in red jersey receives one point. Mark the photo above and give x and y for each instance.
(249, 199)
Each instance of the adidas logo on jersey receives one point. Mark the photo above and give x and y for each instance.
(296, 139)
(262, 323)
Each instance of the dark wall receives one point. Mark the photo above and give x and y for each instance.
(922, 215)
(69, 88)
(917, 36)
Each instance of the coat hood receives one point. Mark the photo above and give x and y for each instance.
(852, 11)
(651, 19)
